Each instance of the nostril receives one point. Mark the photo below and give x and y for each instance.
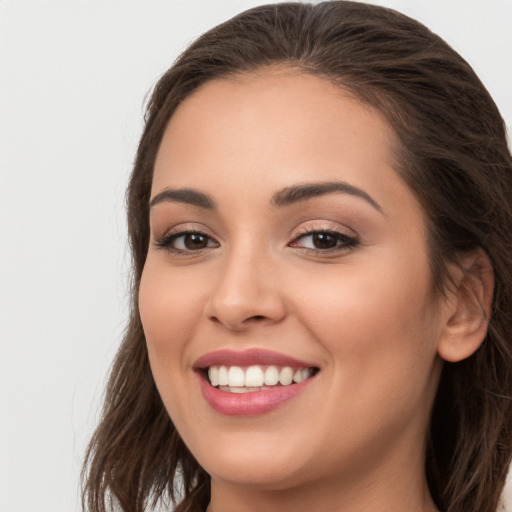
(258, 318)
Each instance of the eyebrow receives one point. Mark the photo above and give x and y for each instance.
(287, 196)
(303, 192)
(184, 195)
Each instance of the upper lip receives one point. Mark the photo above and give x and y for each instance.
(254, 356)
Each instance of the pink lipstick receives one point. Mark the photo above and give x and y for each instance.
(251, 382)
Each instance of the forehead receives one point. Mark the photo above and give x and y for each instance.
(268, 122)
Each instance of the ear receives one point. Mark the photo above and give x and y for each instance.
(468, 307)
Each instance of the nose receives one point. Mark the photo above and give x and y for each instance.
(246, 293)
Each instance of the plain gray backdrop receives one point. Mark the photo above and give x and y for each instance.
(73, 78)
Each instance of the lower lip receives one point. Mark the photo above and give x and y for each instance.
(249, 404)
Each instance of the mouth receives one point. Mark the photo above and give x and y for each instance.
(251, 382)
(255, 378)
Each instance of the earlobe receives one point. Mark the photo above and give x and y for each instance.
(468, 306)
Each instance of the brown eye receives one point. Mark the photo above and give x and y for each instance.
(194, 241)
(186, 242)
(324, 240)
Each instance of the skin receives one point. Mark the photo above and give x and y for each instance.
(366, 316)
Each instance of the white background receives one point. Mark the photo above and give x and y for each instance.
(73, 77)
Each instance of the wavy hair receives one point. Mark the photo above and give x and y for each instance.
(453, 155)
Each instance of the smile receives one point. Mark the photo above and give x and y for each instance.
(251, 382)
(235, 379)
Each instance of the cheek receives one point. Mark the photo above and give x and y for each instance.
(377, 325)
(169, 319)
(383, 372)
(168, 308)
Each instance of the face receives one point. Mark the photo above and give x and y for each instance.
(288, 260)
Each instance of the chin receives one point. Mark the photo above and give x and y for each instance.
(266, 463)
(265, 473)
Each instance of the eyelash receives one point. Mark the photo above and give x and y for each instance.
(343, 241)
(166, 242)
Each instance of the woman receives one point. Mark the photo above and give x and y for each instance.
(322, 235)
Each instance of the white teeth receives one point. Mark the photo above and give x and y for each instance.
(297, 376)
(223, 376)
(301, 374)
(241, 390)
(271, 376)
(286, 376)
(236, 379)
(213, 375)
(254, 377)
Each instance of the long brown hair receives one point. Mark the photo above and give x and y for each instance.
(452, 153)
